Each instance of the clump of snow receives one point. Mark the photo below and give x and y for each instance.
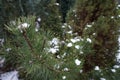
(57, 4)
(113, 70)
(23, 26)
(112, 17)
(102, 79)
(89, 40)
(81, 71)
(1, 41)
(37, 24)
(116, 66)
(69, 45)
(37, 27)
(69, 27)
(55, 41)
(81, 52)
(89, 25)
(63, 77)
(77, 62)
(13, 75)
(97, 68)
(118, 55)
(66, 69)
(119, 16)
(74, 10)
(58, 56)
(53, 50)
(77, 46)
(63, 26)
(118, 6)
(73, 40)
(69, 32)
(94, 33)
(13, 22)
(8, 49)
(2, 60)
(39, 19)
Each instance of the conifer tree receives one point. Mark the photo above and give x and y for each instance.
(97, 20)
(85, 50)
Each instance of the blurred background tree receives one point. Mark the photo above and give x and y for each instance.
(65, 6)
(97, 20)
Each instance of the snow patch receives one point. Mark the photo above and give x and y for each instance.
(102, 79)
(2, 60)
(69, 45)
(63, 77)
(77, 62)
(113, 70)
(97, 68)
(13, 75)
(89, 40)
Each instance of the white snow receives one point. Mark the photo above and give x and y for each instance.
(81, 52)
(63, 26)
(118, 15)
(53, 50)
(102, 79)
(2, 60)
(77, 62)
(57, 4)
(69, 32)
(112, 17)
(118, 55)
(23, 26)
(81, 71)
(116, 66)
(8, 49)
(77, 46)
(118, 5)
(94, 33)
(63, 77)
(89, 25)
(89, 40)
(66, 69)
(54, 41)
(37, 27)
(39, 19)
(69, 45)
(1, 41)
(73, 40)
(97, 68)
(113, 70)
(13, 22)
(58, 56)
(13, 75)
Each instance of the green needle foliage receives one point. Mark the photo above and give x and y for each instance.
(82, 49)
(36, 56)
(99, 21)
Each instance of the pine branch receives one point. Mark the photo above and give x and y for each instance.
(27, 40)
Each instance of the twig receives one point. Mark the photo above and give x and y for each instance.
(27, 40)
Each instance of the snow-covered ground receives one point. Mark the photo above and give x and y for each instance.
(13, 75)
